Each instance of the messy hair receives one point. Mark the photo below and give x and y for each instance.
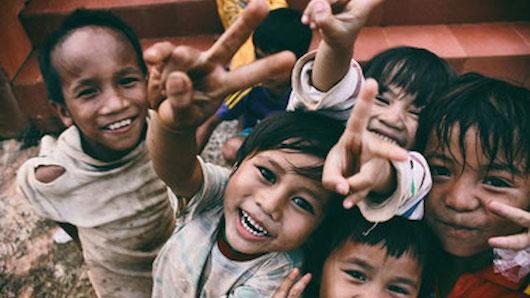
(418, 72)
(398, 236)
(79, 19)
(499, 111)
(282, 30)
(302, 131)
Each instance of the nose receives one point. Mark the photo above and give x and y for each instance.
(460, 197)
(271, 202)
(114, 102)
(393, 116)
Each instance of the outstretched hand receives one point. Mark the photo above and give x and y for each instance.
(339, 21)
(360, 162)
(292, 287)
(516, 215)
(186, 85)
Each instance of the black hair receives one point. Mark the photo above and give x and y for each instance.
(79, 19)
(300, 131)
(282, 30)
(398, 236)
(498, 110)
(418, 71)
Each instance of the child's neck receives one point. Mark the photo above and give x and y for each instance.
(229, 252)
(104, 154)
(455, 266)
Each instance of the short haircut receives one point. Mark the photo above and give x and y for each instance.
(499, 111)
(282, 30)
(301, 131)
(81, 18)
(418, 71)
(399, 236)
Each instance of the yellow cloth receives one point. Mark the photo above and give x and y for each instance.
(228, 11)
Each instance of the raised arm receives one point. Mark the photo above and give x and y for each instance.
(186, 86)
(339, 31)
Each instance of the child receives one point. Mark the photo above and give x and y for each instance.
(97, 175)
(476, 141)
(360, 260)
(280, 31)
(329, 81)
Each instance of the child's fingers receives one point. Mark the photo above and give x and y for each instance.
(182, 58)
(179, 89)
(332, 177)
(299, 286)
(384, 149)
(516, 215)
(364, 180)
(258, 71)
(354, 198)
(316, 12)
(514, 242)
(158, 53)
(154, 89)
(287, 283)
(232, 39)
(358, 120)
(175, 111)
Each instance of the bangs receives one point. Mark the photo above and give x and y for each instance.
(418, 72)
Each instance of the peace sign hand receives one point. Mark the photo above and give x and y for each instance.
(186, 85)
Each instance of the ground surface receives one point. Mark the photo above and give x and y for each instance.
(31, 263)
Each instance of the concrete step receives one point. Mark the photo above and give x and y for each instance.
(499, 49)
(163, 18)
(149, 18)
(428, 12)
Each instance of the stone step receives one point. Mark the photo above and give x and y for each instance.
(498, 49)
(163, 18)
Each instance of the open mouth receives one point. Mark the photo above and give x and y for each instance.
(387, 138)
(119, 125)
(250, 225)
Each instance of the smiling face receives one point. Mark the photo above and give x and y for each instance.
(362, 270)
(269, 205)
(456, 206)
(394, 116)
(104, 90)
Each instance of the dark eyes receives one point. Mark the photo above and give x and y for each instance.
(398, 290)
(128, 81)
(440, 171)
(382, 100)
(87, 92)
(304, 204)
(267, 174)
(496, 182)
(357, 276)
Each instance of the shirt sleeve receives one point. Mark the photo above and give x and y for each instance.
(336, 102)
(413, 183)
(233, 106)
(209, 195)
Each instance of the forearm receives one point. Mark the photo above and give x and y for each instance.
(331, 65)
(173, 155)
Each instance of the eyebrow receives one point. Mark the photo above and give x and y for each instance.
(359, 262)
(128, 69)
(499, 166)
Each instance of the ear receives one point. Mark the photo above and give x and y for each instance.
(63, 113)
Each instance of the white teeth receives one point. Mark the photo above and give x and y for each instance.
(385, 138)
(119, 124)
(251, 226)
